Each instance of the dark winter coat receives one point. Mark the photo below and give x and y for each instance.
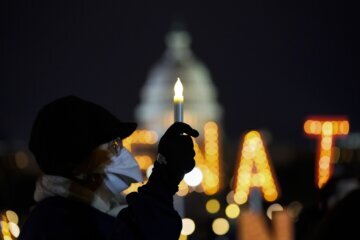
(146, 217)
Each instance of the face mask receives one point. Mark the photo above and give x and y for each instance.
(121, 172)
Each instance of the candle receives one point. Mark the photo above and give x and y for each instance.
(178, 102)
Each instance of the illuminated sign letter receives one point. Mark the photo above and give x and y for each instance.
(327, 130)
(254, 170)
(209, 163)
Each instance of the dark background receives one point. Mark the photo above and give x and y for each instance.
(273, 62)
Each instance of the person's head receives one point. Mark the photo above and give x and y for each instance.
(71, 135)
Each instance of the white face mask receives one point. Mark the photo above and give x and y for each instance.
(121, 172)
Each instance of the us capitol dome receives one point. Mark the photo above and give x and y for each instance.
(155, 111)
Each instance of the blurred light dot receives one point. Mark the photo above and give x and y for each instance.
(307, 125)
(149, 171)
(188, 226)
(211, 180)
(326, 143)
(182, 192)
(271, 196)
(211, 191)
(220, 226)
(4, 226)
(294, 209)
(232, 211)
(183, 189)
(213, 206)
(199, 189)
(315, 127)
(273, 208)
(14, 229)
(344, 127)
(21, 160)
(230, 197)
(194, 177)
(182, 237)
(12, 216)
(327, 128)
(252, 134)
(240, 197)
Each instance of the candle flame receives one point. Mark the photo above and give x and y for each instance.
(178, 89)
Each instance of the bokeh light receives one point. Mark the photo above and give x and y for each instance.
(194, 177)
(232, 211)
(326, 130)
(294, 209)
(14, 229)
(183, 189)
(209, 162)
(273, 208)
(213, 206)
(254, 170)
(188, 226)
(141, 137)
(12, 216)
(183, 237)
(241, 197)
(230, 197)
(5, 230)
(220, 226)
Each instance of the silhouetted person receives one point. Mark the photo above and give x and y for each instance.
(343, 210)
(78, 146)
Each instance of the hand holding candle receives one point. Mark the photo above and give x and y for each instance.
(175, 152)
(178, 102)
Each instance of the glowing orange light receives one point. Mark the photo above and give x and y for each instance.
(133, 187)
(254, 226)
(209, 162)
(254, 170)
(8, 228)
(327, 129)
(141, 137)
(183, 189)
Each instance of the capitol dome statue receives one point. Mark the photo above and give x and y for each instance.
(155, 111)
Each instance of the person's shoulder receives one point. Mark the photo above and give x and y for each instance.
(58, 215)
(42, 219)
(354, 194)
(52, 211)
(68, 208)
(58, 206)
(349, 204)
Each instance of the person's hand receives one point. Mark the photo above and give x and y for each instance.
(176, 148)
(175, 158)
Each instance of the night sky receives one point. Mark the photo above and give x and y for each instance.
(273, 62)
